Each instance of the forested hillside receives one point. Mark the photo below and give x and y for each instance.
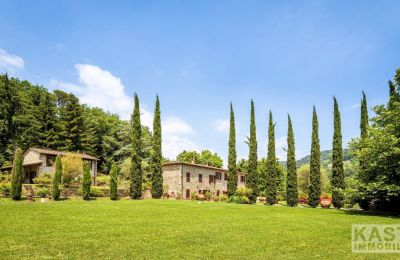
(326, 158)
(31, 116)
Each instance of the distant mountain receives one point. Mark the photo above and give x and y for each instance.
(326, 158)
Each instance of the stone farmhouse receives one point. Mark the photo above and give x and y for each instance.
(184, 178)
(38, 161)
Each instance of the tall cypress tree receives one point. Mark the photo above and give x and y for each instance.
(315, 165)
(136, 153)
(113, 182)
(338, 183)
(17, 175)
(291, 182)
(364, 117)
(57, 179)
(86, 182)
(271, 174)
(156, 155)
(232, 169)
(252, 178)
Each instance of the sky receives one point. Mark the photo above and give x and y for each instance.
(199, 56)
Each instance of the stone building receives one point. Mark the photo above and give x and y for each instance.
(184, 178)
(38, 161)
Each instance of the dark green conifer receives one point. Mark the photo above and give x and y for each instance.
(271, 174)
(17, 176)
(86, 182)
(136, 153)
(113, 182)
(314, 192)
(232, 169)
(364, 117)
(338, 183)
(57, 179)
(291, 183)
(252, 178)
(156, 155)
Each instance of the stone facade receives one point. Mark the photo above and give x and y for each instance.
(181, 179)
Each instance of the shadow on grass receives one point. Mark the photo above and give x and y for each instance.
(395, 215)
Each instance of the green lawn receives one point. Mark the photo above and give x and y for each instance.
(176, 229)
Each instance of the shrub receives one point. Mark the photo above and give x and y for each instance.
(5, 177)
(201, 196)
(193, 195)
(146, 186)
(222, 197)
(241, 196)
(44, 180)
(243, 192)
(208, 195)
(303, 198)
(17, 175)
(42, 192)
(103, 180)
(113, 182)
(87, 181)
(179, 195)
(57, 179)
(96, 191)
(72, 166)
(262, 194)
(5, 189)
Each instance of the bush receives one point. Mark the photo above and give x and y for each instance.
(208, 195)
(72, 167)
(5, 189)
(103, 180)
(193, 195)
(241, 196)
(5, 177)
(44, 180)
(96, 191)
(222, 197)
(243, 192)
(42, 192)
(303, 198)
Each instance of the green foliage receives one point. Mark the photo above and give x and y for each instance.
(243, 166)
(241, 196)
(42, 192)
(252, 178)
(156, 155)
(208, 195)
(114, 182)
(314, 191)
(57, 178)
(291, 183)
(72, 167)
(232, 170)
(86, 182)
(136, 153)
(96, 191)
(338, 184)
(17, 175)
(364, 117)
(5, 189)
(44, 180)
(271, 174)
(206, 157)
(303, 180)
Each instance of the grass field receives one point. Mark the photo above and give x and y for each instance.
(176, 229)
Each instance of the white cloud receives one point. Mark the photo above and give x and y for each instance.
(173, 145)
(222, 125)
(175, 126)
(358, 105)
(10, 62)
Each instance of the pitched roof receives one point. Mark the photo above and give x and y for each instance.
(54, 152)
(199, 166)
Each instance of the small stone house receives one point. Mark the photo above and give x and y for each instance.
(39, 160)
(184, 178)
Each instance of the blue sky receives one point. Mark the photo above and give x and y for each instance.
(200, 55)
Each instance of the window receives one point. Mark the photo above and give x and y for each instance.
(218, 176)
(200, 178)
(187, 194)
(225, 176)
(217, 192)
(242, 179)
(50, 159)
(188, 177)
(211, 179)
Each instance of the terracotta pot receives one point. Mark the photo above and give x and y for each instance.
(326, 203)
(44, 199)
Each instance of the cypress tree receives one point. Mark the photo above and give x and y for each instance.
(17, 175)
(291, 182)
(364, 117)
(338, 184)
(113, 182)
(315, 165)
(271, 174)
(136, 153)
(232, 169)
(57, 179)
(156, 155)
(87, 181)
(252, 178)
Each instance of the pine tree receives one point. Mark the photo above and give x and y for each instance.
(57, 179)
(315, 165)
(271, 174)
(156, 155)
(86, 182)
(291, 183)
(136, 153)
(113, 182)
(251, 181)
(364, 118)
(17, 175)
(338, 183)
(49, 128)
(232, 169)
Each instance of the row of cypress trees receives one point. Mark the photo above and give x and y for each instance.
(271, 182)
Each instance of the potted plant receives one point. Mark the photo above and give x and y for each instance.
(43, 193)
(326, 201)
